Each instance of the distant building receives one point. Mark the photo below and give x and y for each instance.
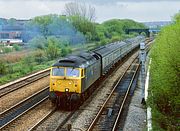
(11, 33)
(157, 24)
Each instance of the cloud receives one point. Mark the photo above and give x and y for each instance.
(140, 10)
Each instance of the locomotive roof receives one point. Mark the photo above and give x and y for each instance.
(79, 60)
(104, 50)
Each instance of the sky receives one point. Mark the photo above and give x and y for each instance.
(139, 10)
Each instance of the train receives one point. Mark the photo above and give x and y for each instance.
(72, 76)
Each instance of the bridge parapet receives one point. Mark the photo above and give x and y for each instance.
(138, 31)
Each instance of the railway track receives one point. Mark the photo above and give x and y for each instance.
(109, 114)
(59, 125)
(12, 86)
(54, 120)
(14, 112)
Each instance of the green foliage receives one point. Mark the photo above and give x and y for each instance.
(165, 78)
(83, 25)
(7, 49)
(52, 46)
(16, 47)
(177, 18)
(54, 36)
(3, 67)
(38, 42)
(53, 50)
(65, 50)
(43, 22)
(115, 29)
(10, 72)
(39, 56)
(28, 62)
(120, 26)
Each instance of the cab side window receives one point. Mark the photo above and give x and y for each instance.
(82, 72)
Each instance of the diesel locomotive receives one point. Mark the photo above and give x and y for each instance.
(72, 76)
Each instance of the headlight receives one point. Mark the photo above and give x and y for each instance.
(66, 90)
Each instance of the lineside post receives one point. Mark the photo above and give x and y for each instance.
(142, 56)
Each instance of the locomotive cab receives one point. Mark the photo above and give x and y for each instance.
(66, 79)
(71, 76)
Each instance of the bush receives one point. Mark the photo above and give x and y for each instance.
(165, 80)
(7, 49)
(16, 47)
(38, 42)
(3, 68)
(65, 50)
(53, 50)
(115, 38)
(39, 56)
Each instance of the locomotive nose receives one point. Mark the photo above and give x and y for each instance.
(66, 89)
(52, 96)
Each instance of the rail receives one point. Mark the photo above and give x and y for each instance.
(14, 112)
(105, 103)
(12, 86)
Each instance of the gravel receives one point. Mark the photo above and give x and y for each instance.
(84, 116)
(16, 96)
(136, 118)
(26, 121)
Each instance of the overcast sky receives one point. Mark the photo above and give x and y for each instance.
(139, 10)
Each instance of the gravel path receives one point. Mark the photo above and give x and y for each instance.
(14, 97)
(86, 113)
(136, 118)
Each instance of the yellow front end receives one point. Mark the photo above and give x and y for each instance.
(65, 79)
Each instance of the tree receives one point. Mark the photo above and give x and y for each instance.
(176, 18)
(81, 10)
(53, 50)
(52, 25)
(43, 22)
(82, 17)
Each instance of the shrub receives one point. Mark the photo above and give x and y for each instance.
(165, 80)
(16, 47)
(52, 51)
(39, 56)
(65, 50)
(7, 49)
(3, 68)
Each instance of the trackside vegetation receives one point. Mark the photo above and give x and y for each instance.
(49, 37)
(164, 98)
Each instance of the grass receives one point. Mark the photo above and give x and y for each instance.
(21, 63)
(19, 69)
